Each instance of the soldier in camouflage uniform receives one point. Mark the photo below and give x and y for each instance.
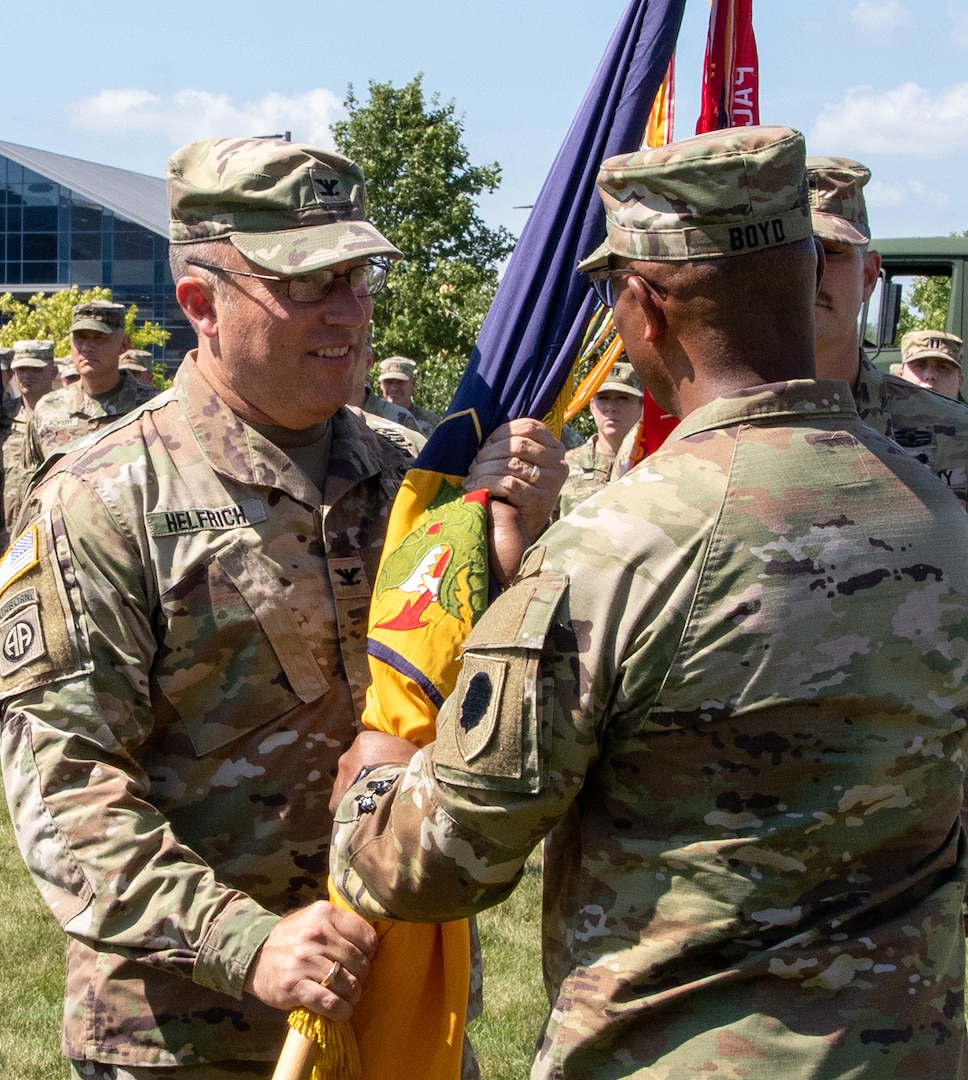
(34, 370)
(382, 416)
(732, 691)
(375, 406)
(932, 359)
(6, 375)
(101, 394)
(140, 363)
(398, 380)
(932, 428)
(182, 646)
(616, 409)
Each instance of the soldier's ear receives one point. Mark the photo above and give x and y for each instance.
(872, 268)
(648, 304)
(196, 297)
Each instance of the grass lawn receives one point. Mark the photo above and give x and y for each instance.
(31, 972)
(32, 977)
(514, 999)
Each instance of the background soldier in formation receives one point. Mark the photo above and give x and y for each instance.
(616, 409)
(932, 428)
(398, 380)
(33, 371)
(100, 395)
(932, 359)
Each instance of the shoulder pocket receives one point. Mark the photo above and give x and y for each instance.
(489, 734)
(40, 641)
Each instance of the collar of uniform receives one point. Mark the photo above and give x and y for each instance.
(783, 400)
(240, 452)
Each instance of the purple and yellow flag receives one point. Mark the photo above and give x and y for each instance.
(433, 583)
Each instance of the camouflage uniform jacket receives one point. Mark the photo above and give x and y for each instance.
(380, 406)
(588, 472)
(70, 413)
(185, 662)
(407, 438)
(426, 420)
(14, 417)
(733, 687)
(932, 428)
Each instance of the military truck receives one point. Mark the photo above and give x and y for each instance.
(904, 260)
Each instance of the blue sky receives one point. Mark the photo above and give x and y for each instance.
(883, 81)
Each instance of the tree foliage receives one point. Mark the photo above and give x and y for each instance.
(48, 318)
(421, 193)
(927, 306)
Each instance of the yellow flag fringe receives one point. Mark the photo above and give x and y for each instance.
(329, 1049)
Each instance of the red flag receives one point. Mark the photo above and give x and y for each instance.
(731, 84)
(730, 98)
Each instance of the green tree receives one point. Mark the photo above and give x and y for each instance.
(48, 317)
(421, 193)
(927, 306)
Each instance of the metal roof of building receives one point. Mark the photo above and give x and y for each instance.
(139, 198)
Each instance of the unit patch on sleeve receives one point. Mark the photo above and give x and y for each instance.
(38, 637)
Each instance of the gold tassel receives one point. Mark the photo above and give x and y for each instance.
(336, 1055)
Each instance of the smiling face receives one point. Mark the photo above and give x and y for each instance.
(276, 361)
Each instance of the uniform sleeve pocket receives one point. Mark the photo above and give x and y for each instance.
(489, 733)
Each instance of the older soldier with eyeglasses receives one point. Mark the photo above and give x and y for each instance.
(184, 634)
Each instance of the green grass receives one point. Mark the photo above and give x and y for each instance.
(514, 999)
(32, 977)
(31, 972)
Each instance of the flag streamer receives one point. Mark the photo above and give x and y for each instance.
(731, 80)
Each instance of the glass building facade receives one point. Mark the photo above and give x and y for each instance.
(54, 237)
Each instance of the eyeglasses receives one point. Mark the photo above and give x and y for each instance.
(366, 279)
(601, 282)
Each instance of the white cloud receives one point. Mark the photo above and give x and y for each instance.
(187, 115)
(906, 121)
(879, 18)
(906, 194)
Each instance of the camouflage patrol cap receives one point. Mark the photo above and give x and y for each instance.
(837, 203)
(288, 207)
(921, 343)
(6, 355)
(728, 192)
(104, 316)
(32, 353)
(136, 359)
(398, 367)
(622, 378)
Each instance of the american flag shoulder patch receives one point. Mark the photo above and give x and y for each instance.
(20, 557)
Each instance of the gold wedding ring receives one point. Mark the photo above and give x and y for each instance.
(334, 970)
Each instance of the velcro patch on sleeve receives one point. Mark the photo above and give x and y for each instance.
(489, 731)
(21, 638)
(38, 637)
